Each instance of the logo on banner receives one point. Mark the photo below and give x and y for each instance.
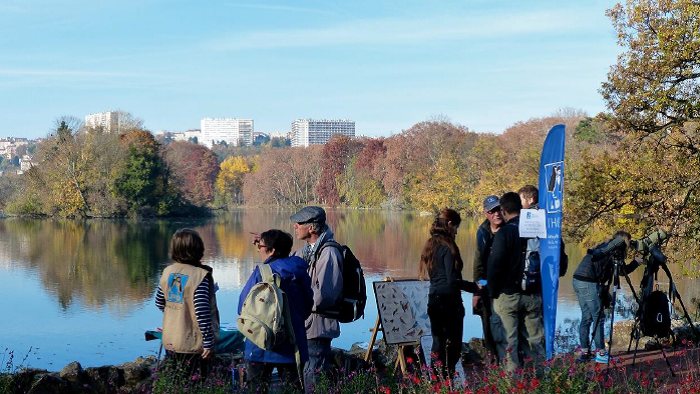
(555, 177)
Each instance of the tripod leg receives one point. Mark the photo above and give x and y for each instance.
(601, 313)
(666, 358)
(629, 282)
(678, 295)
(612, 324)
(633, 334)
(636, 347)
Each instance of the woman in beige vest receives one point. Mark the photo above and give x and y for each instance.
(186, 295)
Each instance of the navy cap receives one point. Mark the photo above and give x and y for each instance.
(491, 202)
(310, 214)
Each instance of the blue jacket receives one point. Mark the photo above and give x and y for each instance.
(297, 285)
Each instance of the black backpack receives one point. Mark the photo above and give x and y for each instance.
(656, 315)
(532, 279)
(352, 304)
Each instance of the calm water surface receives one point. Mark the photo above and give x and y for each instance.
(84, 290)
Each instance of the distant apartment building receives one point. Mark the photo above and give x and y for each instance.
(25, 163)
(9, 146)
(232, 131)
(193, 134)
(307, 132)
(108, 122)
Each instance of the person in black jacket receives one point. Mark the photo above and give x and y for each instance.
(589, 283)
(481, 303)
(441, 262)
(519, 312)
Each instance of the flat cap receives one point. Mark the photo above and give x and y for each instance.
(310, 214)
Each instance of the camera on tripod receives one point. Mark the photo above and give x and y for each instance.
(616, 248)
(650, 247)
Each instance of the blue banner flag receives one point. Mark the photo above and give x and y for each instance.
(551, 193)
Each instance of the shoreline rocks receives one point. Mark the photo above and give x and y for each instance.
(73, 378)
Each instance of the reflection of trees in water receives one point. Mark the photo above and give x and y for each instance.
(118, 262)
(100, 262)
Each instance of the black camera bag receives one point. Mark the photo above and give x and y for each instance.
(656, 315)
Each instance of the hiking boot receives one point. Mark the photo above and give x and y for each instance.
(602, 357)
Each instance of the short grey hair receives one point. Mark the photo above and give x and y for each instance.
(318, 228)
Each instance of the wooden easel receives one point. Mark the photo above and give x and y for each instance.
(401, 355)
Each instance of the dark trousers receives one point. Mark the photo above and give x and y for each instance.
(483, 309)
(320, 362)
(446, 314)
(189, 364)
(258, 377)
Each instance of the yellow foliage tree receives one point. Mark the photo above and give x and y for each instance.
(229, 182)
(443, 186)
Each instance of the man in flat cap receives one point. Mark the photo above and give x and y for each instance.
(325, 270)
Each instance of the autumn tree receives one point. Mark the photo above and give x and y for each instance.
(336, 156)
(427, 149)
(62, 181)
(360, 185)
(653, 93)
(193, 169)
(229, 182)
(284, 177)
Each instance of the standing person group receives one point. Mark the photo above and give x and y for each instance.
(511, 309)
(311, 281)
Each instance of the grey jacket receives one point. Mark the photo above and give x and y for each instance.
(325, 270)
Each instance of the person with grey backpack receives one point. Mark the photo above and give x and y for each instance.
(272, 308)
(326, 272)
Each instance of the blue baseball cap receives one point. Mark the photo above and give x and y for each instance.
(491, 202)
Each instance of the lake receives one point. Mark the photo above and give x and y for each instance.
(83, 290)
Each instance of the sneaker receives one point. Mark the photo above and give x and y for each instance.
(584, 355)
(602, 357)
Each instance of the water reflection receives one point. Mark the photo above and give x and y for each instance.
(83, 269)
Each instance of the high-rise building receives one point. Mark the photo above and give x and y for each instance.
(230, 130)
(107, 121)
(307, 132)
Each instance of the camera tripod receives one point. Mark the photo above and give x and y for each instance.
(618, 266)
(656, 260)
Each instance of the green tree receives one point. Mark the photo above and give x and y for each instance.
(143, 180)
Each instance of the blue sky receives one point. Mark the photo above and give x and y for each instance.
(384, 64)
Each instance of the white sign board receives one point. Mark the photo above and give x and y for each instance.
(533, 223)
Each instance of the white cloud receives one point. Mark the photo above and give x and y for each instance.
(393, 31)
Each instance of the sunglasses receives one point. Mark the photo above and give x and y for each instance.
(491, 212)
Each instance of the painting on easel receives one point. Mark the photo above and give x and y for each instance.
(403, 310)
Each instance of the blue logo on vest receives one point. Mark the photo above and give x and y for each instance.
(176, 286)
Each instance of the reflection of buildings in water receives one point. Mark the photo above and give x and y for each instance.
(231, 273)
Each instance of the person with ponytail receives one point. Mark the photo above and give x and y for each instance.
(441, 263)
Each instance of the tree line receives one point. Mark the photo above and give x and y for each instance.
(633, 167)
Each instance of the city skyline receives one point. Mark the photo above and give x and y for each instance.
(386, 65)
